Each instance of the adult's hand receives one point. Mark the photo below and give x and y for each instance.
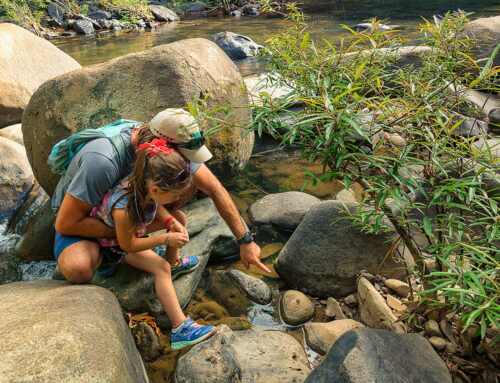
(250, 255)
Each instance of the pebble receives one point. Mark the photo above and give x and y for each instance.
(432, 328)
(447, 330)
(438, 343)
(396, 304)
(451, 348)
(430, 265)
(296, 307)
(333, 309)
(399, 287)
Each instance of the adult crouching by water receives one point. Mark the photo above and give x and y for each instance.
(103, 162)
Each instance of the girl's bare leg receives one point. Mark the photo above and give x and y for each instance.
(151, 262)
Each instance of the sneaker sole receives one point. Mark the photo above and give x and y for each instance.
(182, 272)
(181, 345)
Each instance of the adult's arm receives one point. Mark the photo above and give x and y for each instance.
(208, 183)
(73, 219)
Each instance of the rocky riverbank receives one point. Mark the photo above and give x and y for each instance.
(335, 305)
(68, 18)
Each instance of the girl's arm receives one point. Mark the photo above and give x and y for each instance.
(171, 223)
(129, 242)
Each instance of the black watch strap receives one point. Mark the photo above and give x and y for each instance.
(247, 238)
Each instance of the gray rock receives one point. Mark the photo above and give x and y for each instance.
(36, 226)
(16, 177)
(72, 334)
(486, 32)
(368, 355)
(371, 27)
(225, 292)
(236, 46)
(491, 146)
(249, 356)
(195, 7)
(255, 289)
(326, 252)
(250, 10)
(13, 133)
(284, 210)
(296, 308)
(56, 12)
(471, 127)
(494, 115)
(162, 13)
(135, 289)
(99, 14)
(9, 262)
(84, 27)
(235, 13)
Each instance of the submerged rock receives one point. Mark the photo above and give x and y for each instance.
(327, 250)
(249, 356)
(80, 335)
(22, 72)
(16, 177)
(368, 355)
(236, 46)
(284, 210)
(296, 307)
(255, 289)
(137, 86)
(322, 336)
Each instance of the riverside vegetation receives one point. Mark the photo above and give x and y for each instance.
(400, 132)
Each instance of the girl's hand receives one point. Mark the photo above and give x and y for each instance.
(178, 227)
(176, 239)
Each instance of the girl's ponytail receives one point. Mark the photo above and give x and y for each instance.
(137, 190)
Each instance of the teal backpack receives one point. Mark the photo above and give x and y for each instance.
(63, 152)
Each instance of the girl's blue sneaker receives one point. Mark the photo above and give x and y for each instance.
(186, 265)
(189, 333)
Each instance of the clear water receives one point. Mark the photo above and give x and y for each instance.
(325, 18)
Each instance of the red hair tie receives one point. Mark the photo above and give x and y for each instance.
(156, 146)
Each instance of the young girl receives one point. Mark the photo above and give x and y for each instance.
(160, 177)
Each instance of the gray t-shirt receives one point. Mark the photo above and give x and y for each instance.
(97, 168)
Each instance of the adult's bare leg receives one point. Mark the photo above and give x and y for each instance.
(79, 261)
(151, 262)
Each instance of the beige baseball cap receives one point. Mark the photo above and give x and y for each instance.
(181, 128)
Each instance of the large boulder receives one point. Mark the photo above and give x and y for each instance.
(16, 177)
(22, 71)
(236, 46)
(135, 289)
(284, 210)
(13, 132)
(249, 356)
(367, 356)
(53, 331)
(137, 86)
(327, 251)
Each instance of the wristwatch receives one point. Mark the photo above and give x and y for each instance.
(247, 238)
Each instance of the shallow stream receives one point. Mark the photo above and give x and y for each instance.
(274, 171)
